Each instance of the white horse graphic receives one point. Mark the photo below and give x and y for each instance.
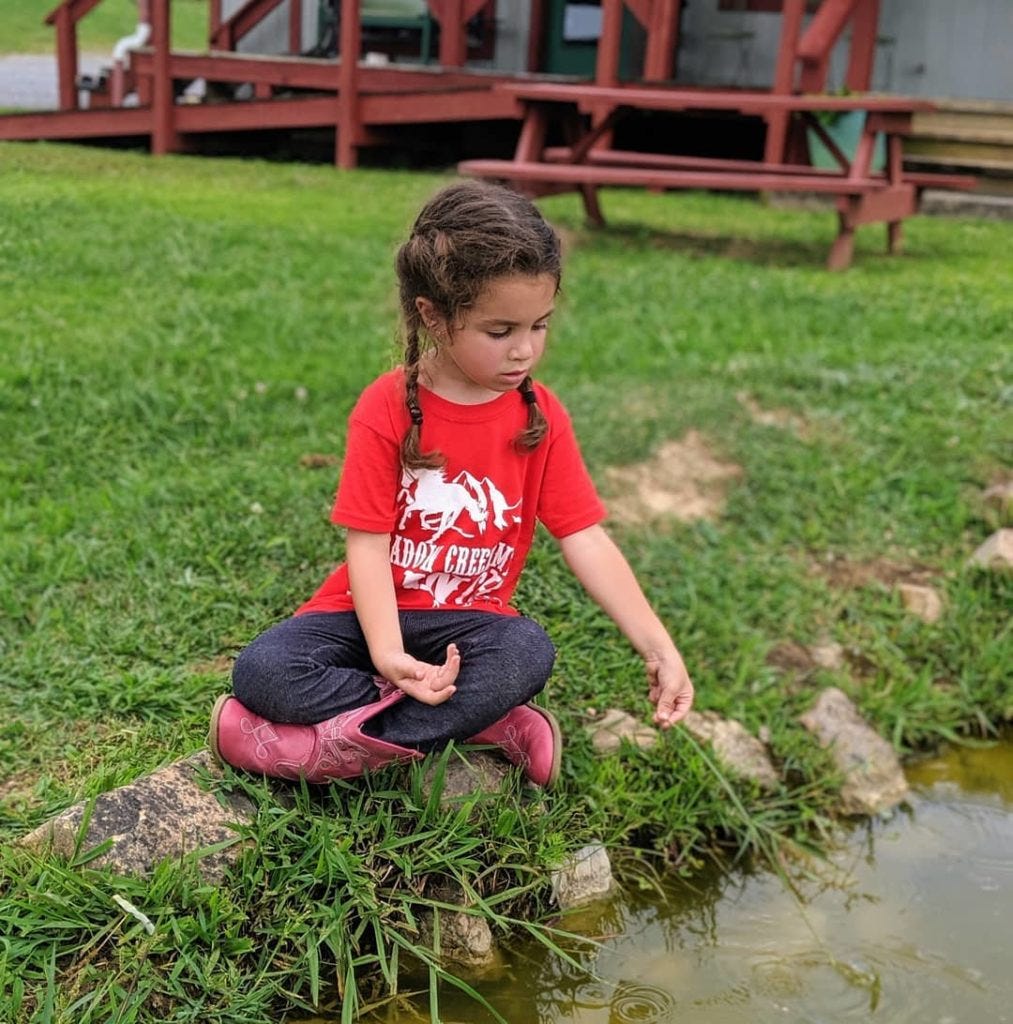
(439, 502)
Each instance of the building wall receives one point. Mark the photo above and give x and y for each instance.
(271, 35)
(925, 48)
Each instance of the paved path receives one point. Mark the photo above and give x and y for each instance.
(28, 81)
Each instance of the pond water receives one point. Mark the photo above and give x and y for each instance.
(911, 920)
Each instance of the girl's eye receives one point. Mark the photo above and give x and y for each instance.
(498, 335)
(543, 326)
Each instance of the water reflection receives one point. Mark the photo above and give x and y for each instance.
(911, 921)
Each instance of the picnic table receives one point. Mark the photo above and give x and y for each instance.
(587, 115)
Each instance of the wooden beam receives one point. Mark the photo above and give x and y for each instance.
(295, 27)
(662, 39)
(607, 65)
(77, 9)
(536, 35)
(784, 79)
(76, 124)
(347, 124)
(862, 53)
(598, 174)
(824, 30)
(251, 14)
(66, 58)
(164, 137)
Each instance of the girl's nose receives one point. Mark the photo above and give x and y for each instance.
(523, 347)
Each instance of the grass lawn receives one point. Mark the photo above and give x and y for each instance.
(24, 29)
(178, 333)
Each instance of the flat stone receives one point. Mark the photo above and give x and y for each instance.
(165, 814)
(734, 746)
(924, 602)
(582, 878)
(996, 552)
(873, 779)
(608, 732)
(468, 772)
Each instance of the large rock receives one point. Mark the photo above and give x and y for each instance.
(584, 877)
(735, 748)
(465, 938)
(996, 552)
(873, 779)
(165, 814)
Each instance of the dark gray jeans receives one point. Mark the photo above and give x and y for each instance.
(315, 666)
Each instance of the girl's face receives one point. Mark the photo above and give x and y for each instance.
(498, 341)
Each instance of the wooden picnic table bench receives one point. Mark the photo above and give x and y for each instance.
(588, 115)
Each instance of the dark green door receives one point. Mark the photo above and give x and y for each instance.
(571, 38)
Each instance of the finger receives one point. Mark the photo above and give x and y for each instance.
(673, 708)
(424, 693)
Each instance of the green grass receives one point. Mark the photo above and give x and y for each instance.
(25, 31)
(158, 320)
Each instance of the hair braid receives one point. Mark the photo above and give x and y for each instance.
(412, 455)
(537, 426)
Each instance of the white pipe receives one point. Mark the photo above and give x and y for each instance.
(137, 38)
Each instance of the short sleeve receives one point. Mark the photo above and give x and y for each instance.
(367, 492)
(568, 500)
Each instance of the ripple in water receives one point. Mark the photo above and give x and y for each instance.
(634, 1003)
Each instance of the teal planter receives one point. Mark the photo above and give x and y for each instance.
(845, 130)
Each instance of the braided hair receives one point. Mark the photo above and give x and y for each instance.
(467, 235)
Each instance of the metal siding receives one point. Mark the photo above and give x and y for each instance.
(926, 48)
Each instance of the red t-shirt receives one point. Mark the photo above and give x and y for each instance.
(460, 533)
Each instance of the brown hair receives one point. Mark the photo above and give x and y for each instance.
(467, 235)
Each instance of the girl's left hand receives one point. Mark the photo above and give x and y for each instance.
(671, 690)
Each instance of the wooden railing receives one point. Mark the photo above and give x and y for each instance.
(64, 19)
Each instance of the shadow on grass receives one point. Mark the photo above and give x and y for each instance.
(765, 252)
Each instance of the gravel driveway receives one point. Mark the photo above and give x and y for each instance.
(28, 81)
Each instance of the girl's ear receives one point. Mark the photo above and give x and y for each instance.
(430, 318)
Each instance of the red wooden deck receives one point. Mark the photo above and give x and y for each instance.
(365, 103)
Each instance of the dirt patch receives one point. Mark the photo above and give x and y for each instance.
(219, 665)
(318, 460)
(783, 419)
(791, 657)
(20, 784)
(683, 480)
(848, 575)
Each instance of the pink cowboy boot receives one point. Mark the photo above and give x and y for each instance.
(529, 737)
(336, 748)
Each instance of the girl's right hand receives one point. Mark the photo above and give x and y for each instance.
(429, 684)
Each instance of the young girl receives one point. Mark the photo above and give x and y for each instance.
(451, 459)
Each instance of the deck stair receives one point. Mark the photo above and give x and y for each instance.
(968, 135)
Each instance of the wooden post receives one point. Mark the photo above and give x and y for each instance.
(662, 39)
(164, 137)
(862, 54)
(606, 70)
(453, 44)
(66, 58)
(784, 79)
(295, 27)
(346, 152)
(536, 35)
(214, 18)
